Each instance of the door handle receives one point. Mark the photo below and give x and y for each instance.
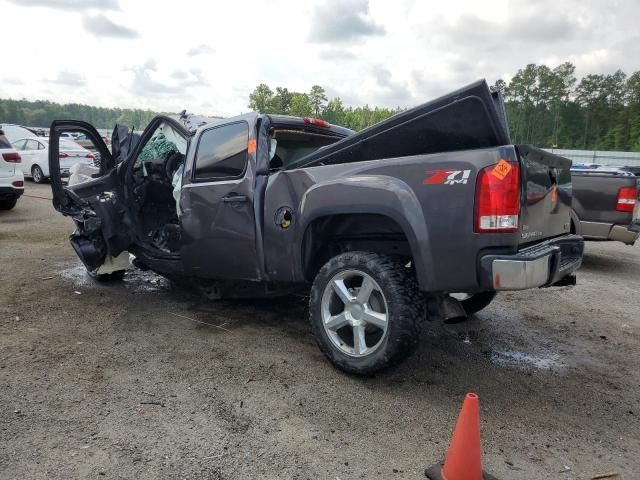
(234, 198)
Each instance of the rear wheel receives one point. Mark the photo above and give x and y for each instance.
(37, 174)
(365, 310)
(8, 204)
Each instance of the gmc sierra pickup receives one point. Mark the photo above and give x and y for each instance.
(385, 227)
(605, 204)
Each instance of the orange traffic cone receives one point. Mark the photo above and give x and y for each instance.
(463, 460)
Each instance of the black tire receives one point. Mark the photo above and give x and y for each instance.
(116, 276)
(477, 302)
(405, 311)
(37, 174)
(8, 204)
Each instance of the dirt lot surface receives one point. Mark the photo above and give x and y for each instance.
(122, 381)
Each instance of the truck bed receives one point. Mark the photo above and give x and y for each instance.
(469, 118)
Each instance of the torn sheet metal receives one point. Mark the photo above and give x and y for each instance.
(114, 264)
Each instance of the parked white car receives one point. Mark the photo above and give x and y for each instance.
(15, 132)
(69, 135)
(11, 177)
(35, 157)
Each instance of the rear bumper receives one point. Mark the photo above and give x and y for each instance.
(623, 234)
(8, 193)
(609, 231)
(540, 265)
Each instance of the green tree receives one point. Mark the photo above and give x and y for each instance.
(260, 100)
(588, 96)
(41, 113)
(318, 99)
(334, 112)
(301, 105)
(281, 101)
(499, 86)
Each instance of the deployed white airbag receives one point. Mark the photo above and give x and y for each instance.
(176, 182)
(81, 172)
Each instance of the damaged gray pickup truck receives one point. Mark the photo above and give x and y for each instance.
(428, 213)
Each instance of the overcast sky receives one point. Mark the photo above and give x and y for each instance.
(207, 56)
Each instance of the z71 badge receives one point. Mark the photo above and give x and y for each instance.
(447, 177)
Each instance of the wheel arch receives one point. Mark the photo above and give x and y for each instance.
(45, 174)
(379, 211)
(575, 223)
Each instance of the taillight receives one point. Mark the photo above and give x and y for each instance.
(63, 155)
(627, 197)
(12, 157)
(317, 122)
(89, 155)
(497, 203)
(18, 183)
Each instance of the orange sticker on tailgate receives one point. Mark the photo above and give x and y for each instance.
(501, 170)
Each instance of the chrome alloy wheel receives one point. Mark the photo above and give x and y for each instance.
(354, 313)
(37, 174)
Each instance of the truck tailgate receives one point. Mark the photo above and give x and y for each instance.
(546, 211)
(596, 194)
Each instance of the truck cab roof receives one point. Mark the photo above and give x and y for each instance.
(194, 123)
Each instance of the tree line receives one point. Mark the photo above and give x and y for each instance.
(41, 113)
(315, 103)
(550, 107)
(547, 107)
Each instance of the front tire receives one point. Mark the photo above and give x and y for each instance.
(365, 311)
(37, 174)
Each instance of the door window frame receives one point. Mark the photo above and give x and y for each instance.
(197, 180)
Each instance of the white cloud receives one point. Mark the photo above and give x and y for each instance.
(101, 26)
(201, 49)
(71, 5)
(336, 21)
(207, 57)
(70, 79)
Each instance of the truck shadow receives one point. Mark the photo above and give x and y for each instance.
(288, 314)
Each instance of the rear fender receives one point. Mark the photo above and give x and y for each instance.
(371, 194)
(576, 222)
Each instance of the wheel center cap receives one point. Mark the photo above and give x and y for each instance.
(356, 312)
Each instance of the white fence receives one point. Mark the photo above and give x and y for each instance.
(627, 159)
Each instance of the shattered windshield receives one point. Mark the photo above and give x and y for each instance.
(164, 141)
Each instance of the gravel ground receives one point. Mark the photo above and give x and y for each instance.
(140, 380)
